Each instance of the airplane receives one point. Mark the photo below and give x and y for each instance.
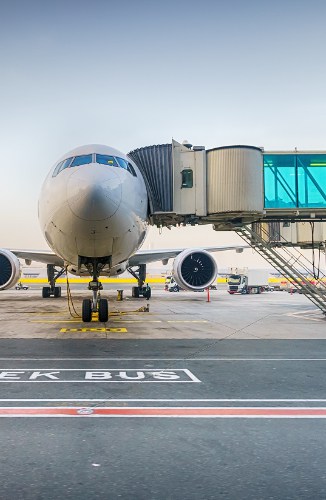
(94, 214)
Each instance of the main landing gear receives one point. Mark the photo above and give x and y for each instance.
(140, 290)
(53, 275)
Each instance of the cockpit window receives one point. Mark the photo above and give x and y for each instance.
(127, 166)
(57, 169)
(123, 163)
(65, 164)
(61, 166)
(82, 160)
(132, 170)
(112, 161)
(106, 160)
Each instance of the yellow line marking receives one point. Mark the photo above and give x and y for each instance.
(80, 321)
(116, 320)
(186, 321)
(102, 330)
(56, 321)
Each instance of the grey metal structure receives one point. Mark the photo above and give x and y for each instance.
(293, 266)
(155, 163)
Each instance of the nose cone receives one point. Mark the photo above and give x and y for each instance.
(94, 192)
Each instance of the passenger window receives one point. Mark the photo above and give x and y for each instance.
(106, 160)
(82, 160)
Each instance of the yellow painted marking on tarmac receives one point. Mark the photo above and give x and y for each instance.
(56, 321)
(186, 321)
(80, 321)
(136, 320)
(94, 330)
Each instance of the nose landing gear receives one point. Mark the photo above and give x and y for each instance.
(97, 304)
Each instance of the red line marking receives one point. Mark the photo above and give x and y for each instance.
(164, 412)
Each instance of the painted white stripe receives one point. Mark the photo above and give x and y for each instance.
(94, 359)
(109, 400)
(109, 381)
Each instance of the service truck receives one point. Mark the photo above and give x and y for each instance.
(252, 281)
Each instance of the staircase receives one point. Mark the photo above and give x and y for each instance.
(289, 263)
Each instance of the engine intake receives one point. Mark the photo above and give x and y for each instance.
(194, 269)
(9, 269)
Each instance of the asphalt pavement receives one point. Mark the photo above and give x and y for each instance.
(162, 419)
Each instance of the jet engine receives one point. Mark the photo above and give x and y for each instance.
(9, 269)
(194, 269)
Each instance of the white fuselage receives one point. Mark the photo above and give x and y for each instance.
(95, 209)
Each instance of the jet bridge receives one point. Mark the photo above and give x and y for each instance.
(273, 200)
(187, 184)
(223, 185)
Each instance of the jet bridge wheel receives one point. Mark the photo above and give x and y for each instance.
(103, 311)
(46, 292)
(87, 310)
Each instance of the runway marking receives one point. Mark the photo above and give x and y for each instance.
(54, 321)
(165, 412)
(97, 375)
(187, 321)
(184, 359)
(102, 330)
(308, 315)
(151, 400)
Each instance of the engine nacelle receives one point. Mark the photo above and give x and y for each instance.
(9, 269)
(194, 269)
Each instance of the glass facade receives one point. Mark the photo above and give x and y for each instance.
(295, 180)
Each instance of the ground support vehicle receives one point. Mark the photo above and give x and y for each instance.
(254, 281)
(20, 286)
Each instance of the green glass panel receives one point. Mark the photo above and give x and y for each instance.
(280, 181)
(187, 178)
(311, 180)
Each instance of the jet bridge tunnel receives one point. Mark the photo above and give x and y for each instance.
(188, 184)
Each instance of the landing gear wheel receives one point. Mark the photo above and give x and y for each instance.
(103, 311)
(135, 292)
(87, 311)
(57, 291)
(46, 292)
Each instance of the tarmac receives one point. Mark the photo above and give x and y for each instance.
(189, 400)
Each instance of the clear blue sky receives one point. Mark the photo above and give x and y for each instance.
(134, 73)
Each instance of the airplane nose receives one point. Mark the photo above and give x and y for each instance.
(94, 192)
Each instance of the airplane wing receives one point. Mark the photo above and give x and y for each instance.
(147, 256)
(140, 257)
(43, 256)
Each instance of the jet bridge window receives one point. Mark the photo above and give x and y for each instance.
(82, 160)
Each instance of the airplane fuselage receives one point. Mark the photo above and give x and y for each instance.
(94, 204)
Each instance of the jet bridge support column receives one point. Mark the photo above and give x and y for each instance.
(140, 275)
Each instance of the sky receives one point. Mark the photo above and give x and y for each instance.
(134, 73)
